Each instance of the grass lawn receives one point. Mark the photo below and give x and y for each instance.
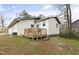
(12, 45)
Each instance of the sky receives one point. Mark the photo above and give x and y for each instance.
(10, 11)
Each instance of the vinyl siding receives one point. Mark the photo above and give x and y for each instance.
(13, 29)
(75, 26)
(52, 29)
(22, 25)
(50, 26)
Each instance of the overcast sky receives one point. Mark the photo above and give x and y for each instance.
(10, 10)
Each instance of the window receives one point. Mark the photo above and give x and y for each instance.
(44, 24)
(37, 26)
(56, 25)
(32, 25)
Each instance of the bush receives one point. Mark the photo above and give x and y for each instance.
(71, 34)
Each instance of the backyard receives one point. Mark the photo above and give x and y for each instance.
(15, 45)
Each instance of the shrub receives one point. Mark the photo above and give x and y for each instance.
(70, 34)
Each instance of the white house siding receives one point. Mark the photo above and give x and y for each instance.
(41, 25)
(13, 29)
(52, 29)
(50, 26)
(23, 25)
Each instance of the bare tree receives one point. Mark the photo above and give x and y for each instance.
(63, 12)
(41, 16)
(66, 12)
(24, 15)
(69, 19)
(69, 15)
(2, 19)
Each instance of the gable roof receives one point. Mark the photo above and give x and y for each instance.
(47, 19)
(13, 22)
(36, 19)
(75, 21)
(16, 20)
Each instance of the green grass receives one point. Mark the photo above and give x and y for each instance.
(21, 45)
(71, 42)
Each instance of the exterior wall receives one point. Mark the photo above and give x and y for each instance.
(50, 26)
(20, 26)
(12, 29)
(53, 27)
(23, 25)
(41, 25)
(75, 26)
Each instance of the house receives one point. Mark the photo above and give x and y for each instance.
(3, 29)
(75, 25)
(18, 25)
(50, 23)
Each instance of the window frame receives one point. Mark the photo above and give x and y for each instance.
(56, 25)
(32, 25)
(44, 24)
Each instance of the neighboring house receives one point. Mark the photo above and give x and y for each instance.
(49, 23)
(3, 29)
(75, 26)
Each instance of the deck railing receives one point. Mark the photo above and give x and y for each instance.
(32, 32)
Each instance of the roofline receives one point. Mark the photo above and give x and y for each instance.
(75, 21)
(48, 18)
(16, 21)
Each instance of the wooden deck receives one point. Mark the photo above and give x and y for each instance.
(35, 32)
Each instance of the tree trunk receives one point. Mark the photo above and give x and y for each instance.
(69, 19)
